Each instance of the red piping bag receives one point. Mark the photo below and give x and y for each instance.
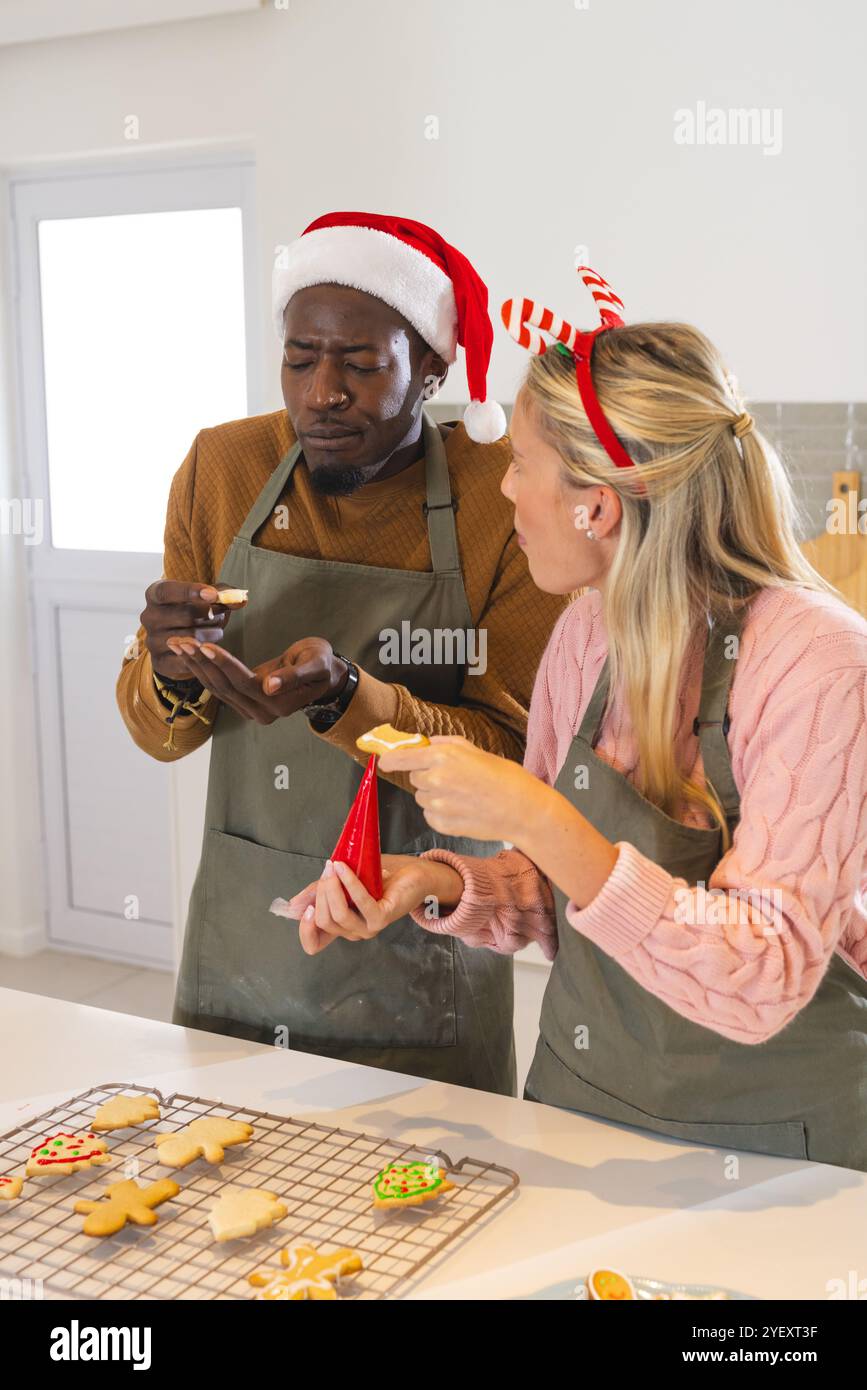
(358, 845)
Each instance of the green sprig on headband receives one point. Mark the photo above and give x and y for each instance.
(561, 347)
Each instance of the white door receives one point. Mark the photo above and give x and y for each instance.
(137, 322)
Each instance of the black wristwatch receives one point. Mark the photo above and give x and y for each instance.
(325, 712)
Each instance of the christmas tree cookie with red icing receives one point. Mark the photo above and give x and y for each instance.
(10, 1188)
(62, 1154)
(409, 1184)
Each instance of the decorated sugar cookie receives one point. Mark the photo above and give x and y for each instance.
(62, 1154)
(207, 1137)
(609, 1285)
(123, 1202)
(10, 1188)
(385, 739)
(244, 1211)
(306, 1274)
(122, 1112)
(409, 1184)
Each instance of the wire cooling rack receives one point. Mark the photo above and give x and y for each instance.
(322, 1175)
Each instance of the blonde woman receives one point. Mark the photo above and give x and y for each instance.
(690, 824)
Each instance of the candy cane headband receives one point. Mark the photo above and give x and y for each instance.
(525, 319)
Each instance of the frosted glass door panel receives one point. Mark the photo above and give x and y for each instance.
(144, 345)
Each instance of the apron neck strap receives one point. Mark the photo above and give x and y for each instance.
(711, 725)
(270, 494)
(439, 508)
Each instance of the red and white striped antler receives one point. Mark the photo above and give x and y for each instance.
(527, 319)
(603, 296)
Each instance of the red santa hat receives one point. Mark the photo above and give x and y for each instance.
(410, 267)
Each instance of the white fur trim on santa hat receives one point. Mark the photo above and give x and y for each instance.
(485, 421)
(380, 264)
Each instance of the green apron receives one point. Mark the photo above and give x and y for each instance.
(801, 1094)
(408, 1000)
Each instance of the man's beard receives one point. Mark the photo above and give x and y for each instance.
(337, 482)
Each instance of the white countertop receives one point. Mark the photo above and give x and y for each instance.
(591, 1192)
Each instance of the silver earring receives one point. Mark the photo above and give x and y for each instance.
(591, 535)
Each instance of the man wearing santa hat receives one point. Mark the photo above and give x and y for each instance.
(347, 519)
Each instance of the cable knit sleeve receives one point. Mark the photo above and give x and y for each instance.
(743, 956)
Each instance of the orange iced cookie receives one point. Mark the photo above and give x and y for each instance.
(609, 1285)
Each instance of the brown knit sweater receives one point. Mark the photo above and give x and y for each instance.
(382, 524)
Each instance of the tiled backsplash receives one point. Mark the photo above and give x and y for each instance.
(814, 440)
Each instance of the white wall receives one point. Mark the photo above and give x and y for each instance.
(556, 128)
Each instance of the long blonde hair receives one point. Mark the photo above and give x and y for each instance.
(715, 527)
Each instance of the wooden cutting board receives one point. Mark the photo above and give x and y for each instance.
(842, 559)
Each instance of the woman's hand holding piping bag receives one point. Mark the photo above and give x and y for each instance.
(465, 791)
(324, 914)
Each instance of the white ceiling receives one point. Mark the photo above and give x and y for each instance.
(28, 21)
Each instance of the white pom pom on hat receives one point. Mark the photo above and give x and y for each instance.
(485, 421)
(412, 268)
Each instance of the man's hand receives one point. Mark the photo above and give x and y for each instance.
(175, 609)
(306, 671)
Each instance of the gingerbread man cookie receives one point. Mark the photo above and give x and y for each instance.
(62, 1154)
(306, 1274)
(207, 1137)
(122, 1112)
(123, 1202)
(10, 1188)
(409, 1184)
(244, 1211)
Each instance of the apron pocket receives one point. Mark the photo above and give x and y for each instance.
(397, 990)
(553, 1083)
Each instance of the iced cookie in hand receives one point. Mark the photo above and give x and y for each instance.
(409, 1184)
(123, 1202)
(206, 1138)
(124, 1112)
(385, 739)
(306, 1274)
(244, 1211)
(63, 1154)
(10, 1188)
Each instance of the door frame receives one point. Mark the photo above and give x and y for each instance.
(138, 181)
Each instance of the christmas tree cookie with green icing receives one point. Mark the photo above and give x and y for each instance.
(62, 1154)
(409, 1184)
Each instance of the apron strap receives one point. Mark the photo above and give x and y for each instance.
(591, 724)
(270, 494)
(712, 723)
(439, 508)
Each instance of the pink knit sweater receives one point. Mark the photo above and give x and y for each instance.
(798, 744)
